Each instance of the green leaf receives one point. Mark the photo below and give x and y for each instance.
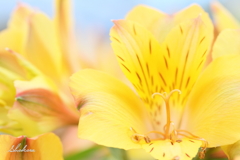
(118, 154)
(85, 154)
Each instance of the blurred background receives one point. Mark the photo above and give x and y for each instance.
(92, 18)
(93, 14)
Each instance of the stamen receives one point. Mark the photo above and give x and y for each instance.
(195, 137)
(164, 128)
(173, 135)
(147, 139)
(156, 133)
(201, 153)
(188, 133)
(137, 137)
(205, 143)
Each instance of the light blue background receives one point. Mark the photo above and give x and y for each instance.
(98, 13)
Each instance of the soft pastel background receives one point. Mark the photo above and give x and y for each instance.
(93, 18)
(92, 14)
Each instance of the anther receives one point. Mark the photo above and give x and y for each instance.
(147, 139)
(179, 140)
(201, 154)
(173, 136)
(138, 137)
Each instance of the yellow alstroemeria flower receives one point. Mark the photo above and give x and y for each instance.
(36, 64)
(223, 18)
(43, 147)
(179, 106)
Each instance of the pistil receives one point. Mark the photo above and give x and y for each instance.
(166, 100)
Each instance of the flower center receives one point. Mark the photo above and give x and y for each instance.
(169, 129)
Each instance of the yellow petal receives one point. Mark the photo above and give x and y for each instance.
(8, 126)
(232, 151)
(42, 46)
(138, 154)
(157, 22)
(223, 18)
(63, 17)
(44, 147)
(6, 142)
(151, 68)
(38, 107)
(7, 41)
(64, 27)
(7, 90)
(136, 50)
(30, 70)
(13, 67)
(108, 109)
(185, 50)
(166, 150)
(11, 64)
(192, 12)
(17, 28)
(63, 21)
(33, 28)
(227, 42)
(160, 24)
(20, 16)
(214, 105)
